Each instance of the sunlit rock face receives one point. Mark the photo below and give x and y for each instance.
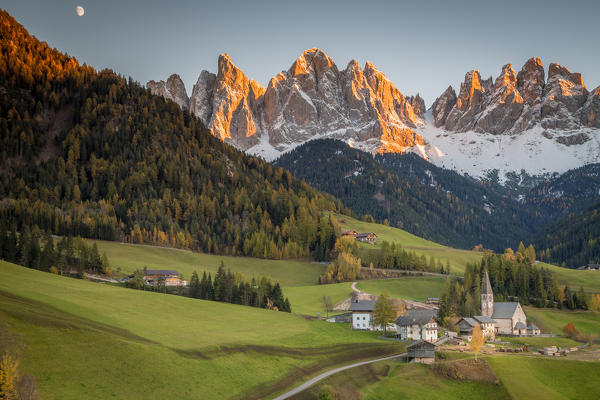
(518, 102)
(172, 89)
(313, 98)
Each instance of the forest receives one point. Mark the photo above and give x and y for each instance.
(92, 154)
(573, 241)
(408, 192)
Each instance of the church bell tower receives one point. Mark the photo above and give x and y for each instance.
(487, 297)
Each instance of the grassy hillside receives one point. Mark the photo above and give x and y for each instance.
(130, 257)
(546, 378)
(411, 288)
(554, 320)
(85, 339)
(399, 380)
(458, 258)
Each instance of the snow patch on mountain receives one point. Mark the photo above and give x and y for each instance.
(537, 151)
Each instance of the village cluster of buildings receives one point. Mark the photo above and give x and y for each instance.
(498, 318)
(368, 237)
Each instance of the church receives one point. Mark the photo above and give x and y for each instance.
(509, 317)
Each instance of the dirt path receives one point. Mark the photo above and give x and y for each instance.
(327, 374)
(354, 287)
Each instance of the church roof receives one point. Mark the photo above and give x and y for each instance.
(505, 310)
(483, 319)
(487, 286)
(520, 325)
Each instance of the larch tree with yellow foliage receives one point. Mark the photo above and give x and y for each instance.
(476, 340)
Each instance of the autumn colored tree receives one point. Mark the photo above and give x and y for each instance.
(570, 330)
(476, 340)
(9, 376)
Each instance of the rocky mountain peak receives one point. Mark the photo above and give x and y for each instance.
(173, 89)
(516, 102)
(442, 106)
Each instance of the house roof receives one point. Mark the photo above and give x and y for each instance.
(505, 310)
(483, 319)
(364, 235)
(532, 327)
(161, 272)
(469, 321)
(420, 343)
(487, 286)
(362, 305)
(416, 317)
(520, 325)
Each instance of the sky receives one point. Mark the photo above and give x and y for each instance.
(422, 46)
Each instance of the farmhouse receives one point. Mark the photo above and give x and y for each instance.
(165, 277)
(362, 314)
(369, 237)
(594, 267)
(487, 325)
(417, 325)
(422, 352)
(350, 233)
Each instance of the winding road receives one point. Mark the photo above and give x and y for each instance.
(324, 375)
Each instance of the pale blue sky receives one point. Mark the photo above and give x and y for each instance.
(422, 46)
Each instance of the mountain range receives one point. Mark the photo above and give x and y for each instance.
(518, 123)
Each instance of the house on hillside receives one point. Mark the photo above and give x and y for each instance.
(362, 314)
(588, 267)
(165, 277)
(422, 352)
(417, 325)
(350, 233)
(369, 237)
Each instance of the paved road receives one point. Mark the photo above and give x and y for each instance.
(324, 375)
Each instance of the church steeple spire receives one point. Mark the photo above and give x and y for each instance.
(487, 297)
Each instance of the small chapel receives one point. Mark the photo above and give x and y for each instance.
(509, 317)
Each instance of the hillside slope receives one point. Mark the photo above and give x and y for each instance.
(90, 153)
(86, 340)
(575, 240)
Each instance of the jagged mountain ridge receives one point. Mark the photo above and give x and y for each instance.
(313, 98)
(518, 124)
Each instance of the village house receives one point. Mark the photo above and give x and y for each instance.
(487, 325)
(369, 237)
(350, 233)
(422, 352)
(417, 325)
(362, 314)
(165, 277)
(590, 267)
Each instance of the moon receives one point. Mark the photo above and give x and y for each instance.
(79, 10)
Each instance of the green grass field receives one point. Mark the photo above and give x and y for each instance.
(547, 378)
(541, 342)
(409, 288)
(308, 299)
(399, 380)
(89, 340)
(129, 257)
(553, 320)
